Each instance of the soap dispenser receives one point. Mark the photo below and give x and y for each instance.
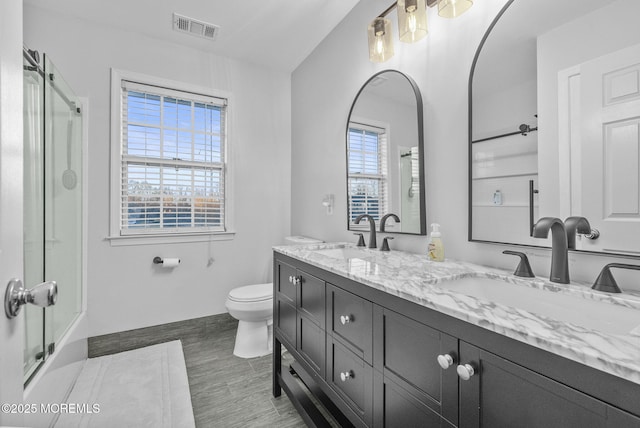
(436, 248)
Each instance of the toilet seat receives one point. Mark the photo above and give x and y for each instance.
(252, 293)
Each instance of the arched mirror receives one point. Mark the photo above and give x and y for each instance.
(555, 123)
(385, 154)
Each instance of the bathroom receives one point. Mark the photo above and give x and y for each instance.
(287, 122)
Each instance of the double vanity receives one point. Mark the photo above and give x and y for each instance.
(391, 339)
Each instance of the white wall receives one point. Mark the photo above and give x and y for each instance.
(323, 87)
(125, 291)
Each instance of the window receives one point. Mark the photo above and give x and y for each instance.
(367, 174)
(172, 161)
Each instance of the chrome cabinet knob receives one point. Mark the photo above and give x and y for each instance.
(294, 279)
(445, 361)
(345, 319)
(345, 376)
(465, 371)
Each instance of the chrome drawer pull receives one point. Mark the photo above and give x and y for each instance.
(465, 371)
(345, 376)
(445, 361)
(345, 319)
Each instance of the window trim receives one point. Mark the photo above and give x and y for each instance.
(115, 236)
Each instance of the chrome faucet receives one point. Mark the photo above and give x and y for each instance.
(575, 225)
(384, 220)
(372, 229)
(559, 247)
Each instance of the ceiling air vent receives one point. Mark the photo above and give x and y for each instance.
(194, 27)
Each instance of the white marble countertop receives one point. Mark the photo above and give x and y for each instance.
(415, 278)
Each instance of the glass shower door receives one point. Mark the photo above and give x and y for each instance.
(52, 207)
(63, 201)
(33, 213)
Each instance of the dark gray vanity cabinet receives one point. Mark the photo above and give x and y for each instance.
(500, 393)
(299, 313)
(377, 360)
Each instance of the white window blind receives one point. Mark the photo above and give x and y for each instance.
(367, 171)
(173, 161)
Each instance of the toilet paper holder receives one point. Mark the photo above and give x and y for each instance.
(159, 261)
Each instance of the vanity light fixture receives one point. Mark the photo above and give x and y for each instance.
(412, 20)
(453, 8)
(380, 41)
(412, 24)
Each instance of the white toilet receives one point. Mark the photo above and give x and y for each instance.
(252, 306)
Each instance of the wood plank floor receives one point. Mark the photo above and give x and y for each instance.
(230, 392)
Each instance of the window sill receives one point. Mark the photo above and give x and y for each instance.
(174, 238)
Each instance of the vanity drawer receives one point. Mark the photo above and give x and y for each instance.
(351, 319)
(351, 378)
(285, 286)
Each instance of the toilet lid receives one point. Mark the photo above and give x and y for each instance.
(252, 293)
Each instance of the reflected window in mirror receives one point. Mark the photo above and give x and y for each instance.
(367, 177)
(385, 155)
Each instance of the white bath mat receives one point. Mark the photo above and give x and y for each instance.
(146, 387)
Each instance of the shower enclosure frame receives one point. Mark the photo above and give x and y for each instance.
(61, 256)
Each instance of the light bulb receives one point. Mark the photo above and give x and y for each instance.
(379, 44)
(412, 22)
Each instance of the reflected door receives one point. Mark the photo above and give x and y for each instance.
(610, 117)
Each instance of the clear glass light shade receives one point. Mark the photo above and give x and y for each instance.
(380, 40)
(412, 20)
(453, 8)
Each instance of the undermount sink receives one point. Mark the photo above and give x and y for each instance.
(592, 314)
(346, 253)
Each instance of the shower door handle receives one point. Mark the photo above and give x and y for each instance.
(43, 295)
(532, 191)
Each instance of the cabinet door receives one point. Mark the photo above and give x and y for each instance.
(311, 300)
(286, 277)
(350, 319)
(503, 394)
(311, 344)
(397, 407)
(284, 319)
(351, 378)
(406, 352)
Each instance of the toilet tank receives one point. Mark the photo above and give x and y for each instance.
(298, 240)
